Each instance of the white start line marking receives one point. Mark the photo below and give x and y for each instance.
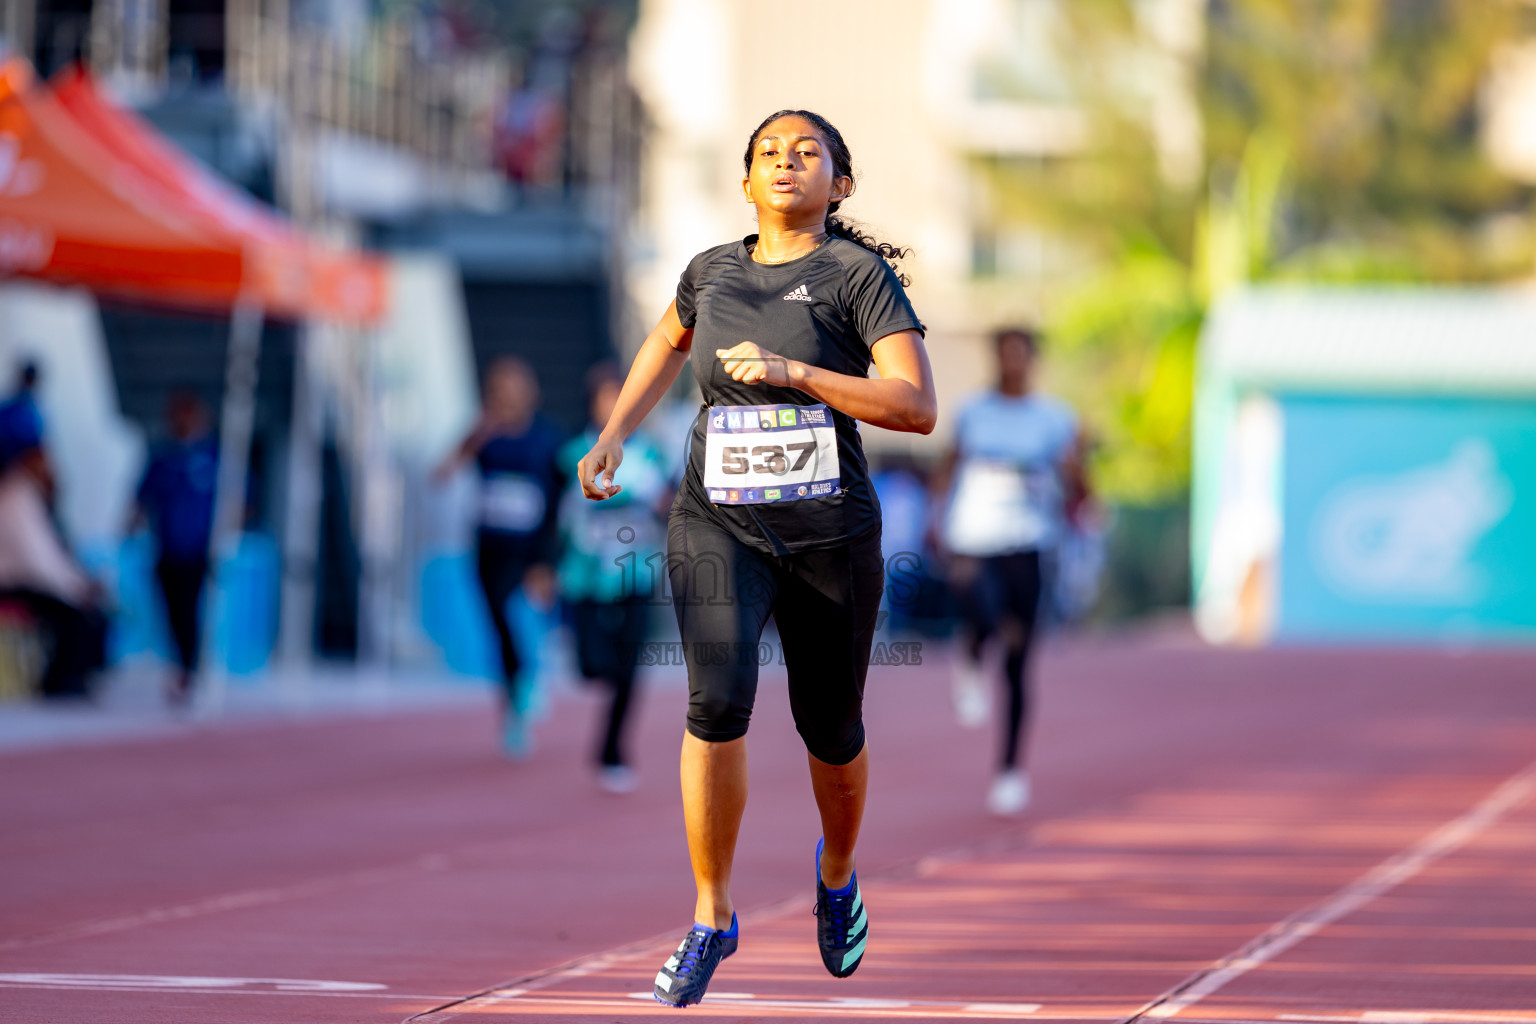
(836, 1004)
(160, 981)
(206, 985)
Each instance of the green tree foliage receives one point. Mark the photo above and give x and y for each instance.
(1339, 142)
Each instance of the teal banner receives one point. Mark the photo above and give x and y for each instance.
(1408, 519)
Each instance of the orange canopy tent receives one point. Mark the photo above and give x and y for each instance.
(71, 213)
(90, 195)
(329, 283)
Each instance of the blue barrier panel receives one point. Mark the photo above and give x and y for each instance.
(1408, 520)
(244, 625)
(455, 618)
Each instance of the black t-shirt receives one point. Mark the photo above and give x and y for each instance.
(824, 309)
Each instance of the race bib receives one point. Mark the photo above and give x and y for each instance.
(755, 454)
(511, 502)
(995, 508)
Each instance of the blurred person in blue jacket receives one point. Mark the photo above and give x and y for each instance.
(176, 497)
(1013, 477)
(514, 448)
(608, 568)
(21, 423)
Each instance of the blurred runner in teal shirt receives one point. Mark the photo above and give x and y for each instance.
(611, 553)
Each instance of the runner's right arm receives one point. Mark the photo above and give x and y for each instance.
(656, 366)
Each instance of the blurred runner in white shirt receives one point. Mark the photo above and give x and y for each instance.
(1013, 477)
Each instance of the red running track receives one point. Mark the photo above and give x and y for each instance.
(1217, 836)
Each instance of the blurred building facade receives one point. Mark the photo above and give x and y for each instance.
(926, 92)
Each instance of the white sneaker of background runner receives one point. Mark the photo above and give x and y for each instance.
(618, 779)
(1009, 794)
(970, 695)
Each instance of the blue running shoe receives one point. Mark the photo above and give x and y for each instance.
(684, 977)
(842, 923)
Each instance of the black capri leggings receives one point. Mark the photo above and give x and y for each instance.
(826, 604)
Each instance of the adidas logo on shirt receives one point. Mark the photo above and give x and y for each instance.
(798, 295)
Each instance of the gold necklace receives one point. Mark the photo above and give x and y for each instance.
(763, 259)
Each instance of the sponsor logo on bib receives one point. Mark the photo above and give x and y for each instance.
(786, 417)
(732, 420)
(802, 490)
(716, 495)
(773, 494)
(813, 416)
(821, 488)
(766, 420)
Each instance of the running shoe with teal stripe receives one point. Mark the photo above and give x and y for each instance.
(684, 977)
(842, 923)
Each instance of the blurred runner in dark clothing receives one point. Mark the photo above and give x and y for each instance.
(176, 496)
(515, 449)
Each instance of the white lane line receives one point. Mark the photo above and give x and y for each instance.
(833, 1004)
(242, 900)
(1392, 872)
(180, 981)
(853, 1003)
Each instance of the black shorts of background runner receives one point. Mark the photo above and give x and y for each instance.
(608, 639)
(825, 602)
(1001, 594)
(501, 560)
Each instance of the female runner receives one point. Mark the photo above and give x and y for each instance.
(776, 515)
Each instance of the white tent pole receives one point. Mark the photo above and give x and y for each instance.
(301, 527)
(377, 519)
(236, 422)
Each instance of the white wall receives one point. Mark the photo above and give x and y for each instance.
(97, 455)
